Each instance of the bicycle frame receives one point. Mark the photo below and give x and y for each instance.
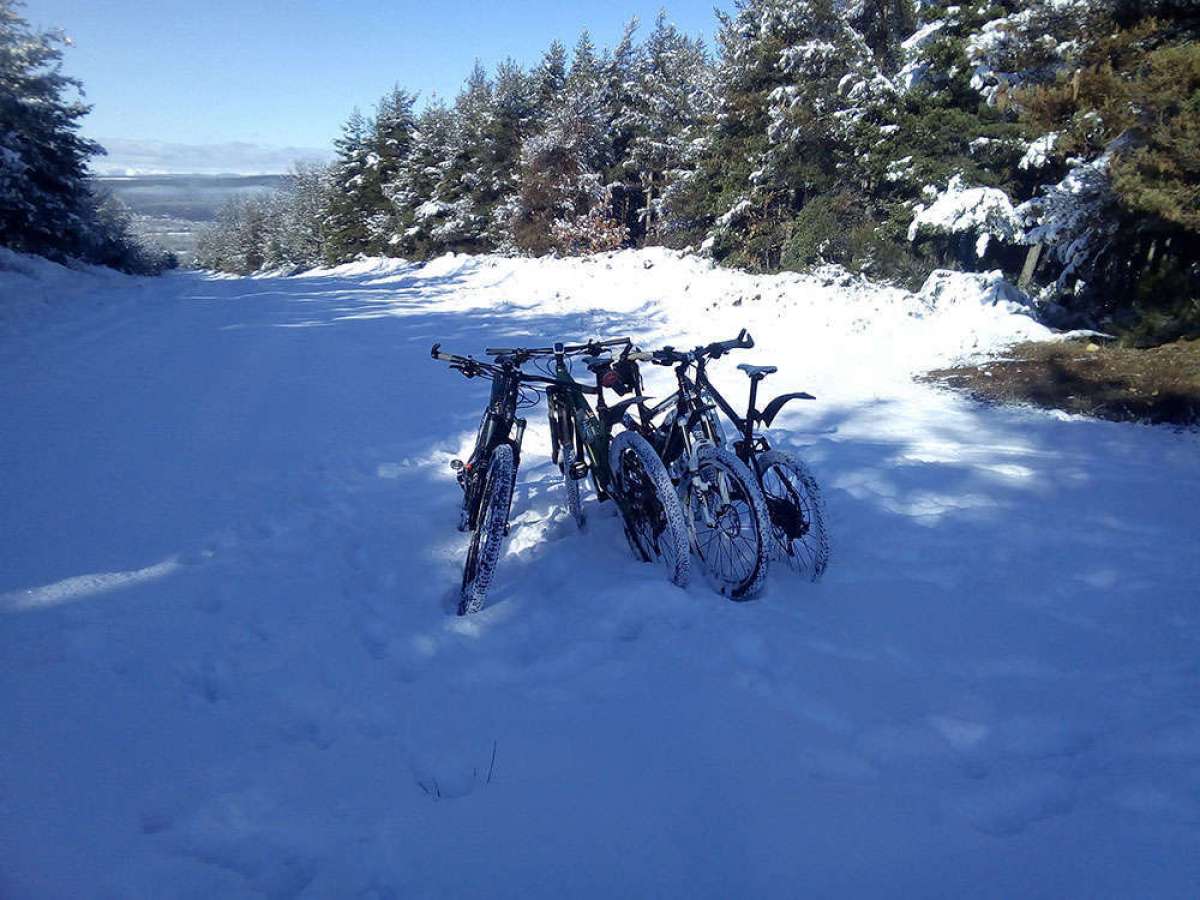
(574, 422)
(750, 442)
(676, 440)
(498, 425)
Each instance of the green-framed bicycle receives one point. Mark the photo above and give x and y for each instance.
(621, 465)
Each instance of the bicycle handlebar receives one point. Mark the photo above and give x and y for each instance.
(742, 342)
(471, 368)
(668, 356)
(528, 352)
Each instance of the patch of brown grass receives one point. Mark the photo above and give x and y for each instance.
(1125, 384)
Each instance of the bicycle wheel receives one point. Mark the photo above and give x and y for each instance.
(571, 486)
(796, 511)
(654, 519)
(484, 552)
(730, 525)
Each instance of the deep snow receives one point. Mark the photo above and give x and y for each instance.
(229, 667)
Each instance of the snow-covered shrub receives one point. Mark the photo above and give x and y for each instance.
(979, 212)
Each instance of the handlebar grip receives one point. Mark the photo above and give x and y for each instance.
(453, 358)
(742, 342)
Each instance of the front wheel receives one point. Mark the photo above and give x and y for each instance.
(729, 523)
(796, 511)
(571, 486)
(484, 552)
(654, 520)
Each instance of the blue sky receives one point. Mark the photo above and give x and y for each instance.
(286, 74)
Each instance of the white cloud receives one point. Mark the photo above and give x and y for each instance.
(131, 157)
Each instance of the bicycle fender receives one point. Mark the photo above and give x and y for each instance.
(614, 413)
(767, 416)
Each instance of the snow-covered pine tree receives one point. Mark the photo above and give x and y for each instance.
(563, 201)
(550, 79)
(345, 226)
(388, 144)
(462, 216)
(306, 195)
(514, 106)
(670, 100)
(622, 70)
(43, 159)
(884, 26)
(240, 241)
(47, 205)
(794, 78)
(1116, 116)
(411, 191)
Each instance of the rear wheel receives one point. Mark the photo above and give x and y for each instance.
(729, 521)
(654, 520)
(484, 552)
(796, 511)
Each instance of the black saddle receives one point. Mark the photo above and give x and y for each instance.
(758, 371)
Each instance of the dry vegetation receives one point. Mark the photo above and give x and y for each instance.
(1160, 385)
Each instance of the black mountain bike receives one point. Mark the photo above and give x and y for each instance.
(725, 508)
(489, 475)
(795, 511)
(622, 466)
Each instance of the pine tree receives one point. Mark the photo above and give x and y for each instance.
(561, 186)
(1122, 225)
(461, 190)
(669, 101)
(585, 74)
(884, 25)
(43, 160)
(793, 79)
(388, 144)
(550, 79)
(301, 234)
(622, 96)
(411, 191)
(514, 107)
(346, 228)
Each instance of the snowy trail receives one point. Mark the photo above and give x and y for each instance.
(229, 666)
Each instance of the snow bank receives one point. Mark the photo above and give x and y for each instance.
(663, 296)
(35, 291)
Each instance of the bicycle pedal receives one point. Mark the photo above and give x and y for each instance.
(578, 470)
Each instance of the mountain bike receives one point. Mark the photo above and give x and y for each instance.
(623, 466)
(489, 475)
(724, 505)
(794, 509)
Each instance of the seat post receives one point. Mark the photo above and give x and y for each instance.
(751, 413)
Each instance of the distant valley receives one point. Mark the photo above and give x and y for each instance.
(169, 210)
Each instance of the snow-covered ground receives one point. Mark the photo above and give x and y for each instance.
(229, 666)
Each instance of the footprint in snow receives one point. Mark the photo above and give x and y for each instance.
(1008, 806)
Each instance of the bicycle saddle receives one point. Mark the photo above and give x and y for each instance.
(758, 371)
(596, 362)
